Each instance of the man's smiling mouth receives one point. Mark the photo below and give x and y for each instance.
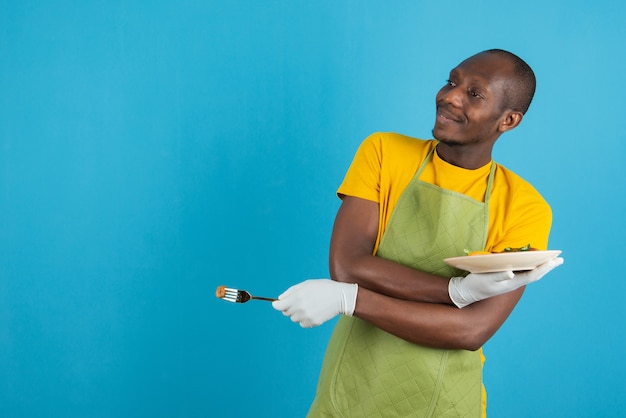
(447, 116)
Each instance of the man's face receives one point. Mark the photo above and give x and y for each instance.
(469, 106)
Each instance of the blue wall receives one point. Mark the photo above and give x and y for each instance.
(150, 151)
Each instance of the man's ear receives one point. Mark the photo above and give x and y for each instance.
(510, 120)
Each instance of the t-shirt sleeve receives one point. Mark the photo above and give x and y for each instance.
(363, 177)
(527, 220)
(535, 221)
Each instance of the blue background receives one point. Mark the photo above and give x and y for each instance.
(150, 151)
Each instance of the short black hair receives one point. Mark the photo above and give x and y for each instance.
(520, 91)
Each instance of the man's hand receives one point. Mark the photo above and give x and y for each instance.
(313, 302)
(478, 286)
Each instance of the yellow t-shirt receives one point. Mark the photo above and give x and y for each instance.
(385, 163)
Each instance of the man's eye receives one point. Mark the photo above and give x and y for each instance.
(474, 94)
(450, 83)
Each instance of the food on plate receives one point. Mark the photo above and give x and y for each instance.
(478, 253)
(220, 292)
(526, 247)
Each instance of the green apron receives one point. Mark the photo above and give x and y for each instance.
(368, 372)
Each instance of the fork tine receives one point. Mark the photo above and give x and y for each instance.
(230, 294)
(235, 295)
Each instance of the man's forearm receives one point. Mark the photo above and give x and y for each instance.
(390, 278)
(436, 325)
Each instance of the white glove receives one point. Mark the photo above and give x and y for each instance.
(313, 302)
(478, 286)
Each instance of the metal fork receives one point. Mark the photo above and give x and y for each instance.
(237, 296)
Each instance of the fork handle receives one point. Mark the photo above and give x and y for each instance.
(267, 299)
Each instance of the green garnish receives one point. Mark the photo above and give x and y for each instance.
(511, 250)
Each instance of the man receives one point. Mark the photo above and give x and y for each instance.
(409, 338)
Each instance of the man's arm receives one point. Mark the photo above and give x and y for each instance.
(410, 304)
(436, 325)
(399, 299)
(351, 259)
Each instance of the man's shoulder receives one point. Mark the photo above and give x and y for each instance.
(396, 142)
(516, 184)
(511, 175)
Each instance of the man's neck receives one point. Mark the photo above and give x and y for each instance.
(469, 156)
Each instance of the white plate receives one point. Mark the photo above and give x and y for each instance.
(515, 261)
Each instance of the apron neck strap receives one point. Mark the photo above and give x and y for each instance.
(492, 170)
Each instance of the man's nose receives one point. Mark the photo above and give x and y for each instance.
(452, 96)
